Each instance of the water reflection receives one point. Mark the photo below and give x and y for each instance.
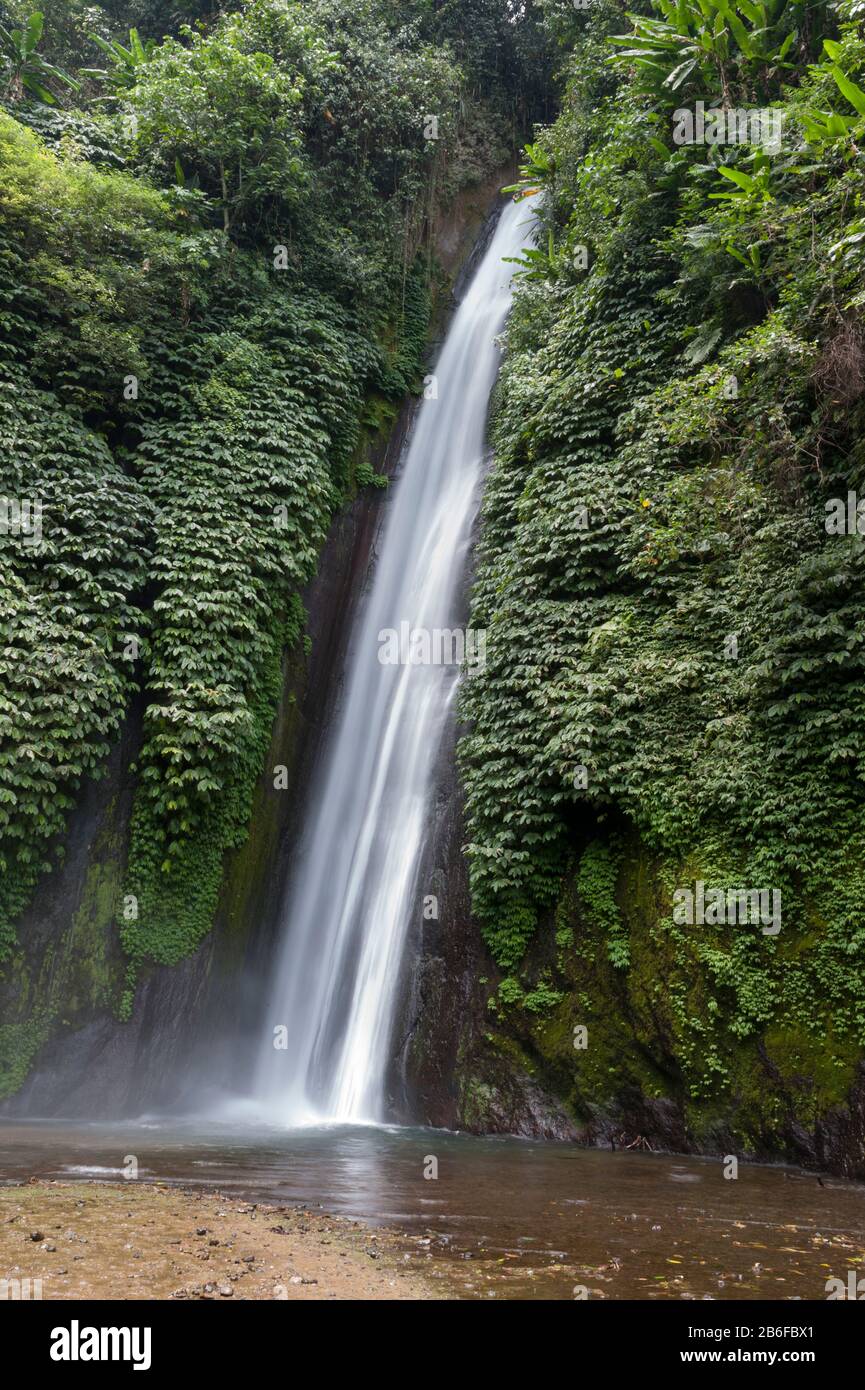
(505, 1218)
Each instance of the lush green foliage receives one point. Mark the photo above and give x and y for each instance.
(24, 70)
(125, 62)
(210, 281)
(67, 596)
(738, 48)
(673, 637)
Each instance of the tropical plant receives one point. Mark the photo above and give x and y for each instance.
(537, 172)
(126, 62)
(25, 71)
(707, 41)
(825, 127)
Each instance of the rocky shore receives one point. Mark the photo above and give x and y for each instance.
(134, 1240)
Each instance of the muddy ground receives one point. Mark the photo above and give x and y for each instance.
(135, 1240)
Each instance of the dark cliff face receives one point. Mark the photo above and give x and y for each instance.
(448, 1075)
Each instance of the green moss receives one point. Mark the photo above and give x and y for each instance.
(80, 971)
(89, 957)
(476, 1100)
(702, 1021)
(379, 414)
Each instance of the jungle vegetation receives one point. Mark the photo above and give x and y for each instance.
(675, 684)
(215, 279)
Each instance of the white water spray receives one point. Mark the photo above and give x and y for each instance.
(354, 892)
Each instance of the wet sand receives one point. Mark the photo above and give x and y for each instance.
(136, 1240)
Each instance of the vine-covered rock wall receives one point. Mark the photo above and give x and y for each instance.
(218, 276)
(671, 710)
(67, 1048)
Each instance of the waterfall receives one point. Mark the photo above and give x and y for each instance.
(354, 891)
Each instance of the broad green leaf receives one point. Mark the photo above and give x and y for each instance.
(743, 180)
(849, 89)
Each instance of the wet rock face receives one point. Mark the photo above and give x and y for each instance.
(501, 1070)
(463, 1065)
(839, 1139)
(446, 1074)
(68, 964)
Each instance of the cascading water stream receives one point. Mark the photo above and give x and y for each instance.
(354, 891)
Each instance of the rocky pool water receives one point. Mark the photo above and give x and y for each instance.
(500, 1218)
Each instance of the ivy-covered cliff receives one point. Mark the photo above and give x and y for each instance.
(218, 270)
(673, 702)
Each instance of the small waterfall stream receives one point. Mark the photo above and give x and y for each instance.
(354, 891)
